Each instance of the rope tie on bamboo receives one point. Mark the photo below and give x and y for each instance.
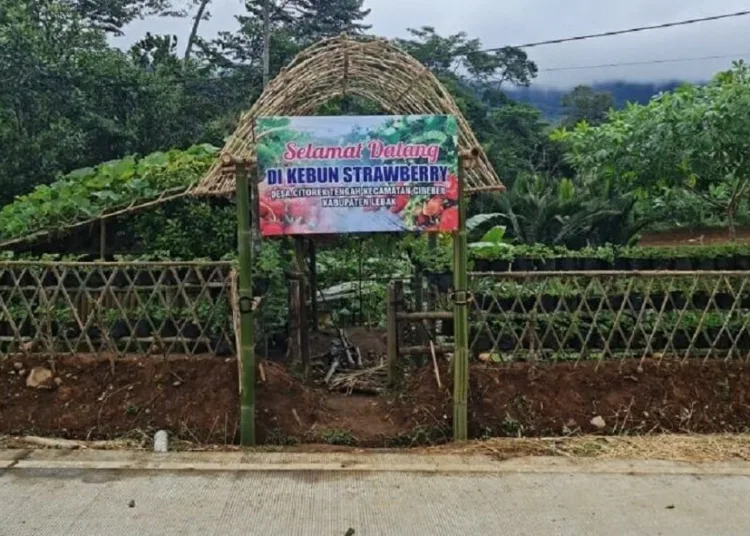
(461, 297)
(413, 82)
(245, 305)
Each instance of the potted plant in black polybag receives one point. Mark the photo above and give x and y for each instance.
(567, 260)
(638, 258)
(493, 246)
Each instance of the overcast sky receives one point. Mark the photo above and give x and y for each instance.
(504, 22)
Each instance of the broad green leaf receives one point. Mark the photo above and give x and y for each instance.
(495, 235)
(480, 219)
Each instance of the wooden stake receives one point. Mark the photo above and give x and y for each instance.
(435, 365)
(332, 370)
(262, 372)
(345, 342)
(296, 417)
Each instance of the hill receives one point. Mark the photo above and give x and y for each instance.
(547, 99)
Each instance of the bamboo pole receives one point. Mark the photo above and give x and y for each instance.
(247, 350)
(295, 330)
(460, 309)
(431, 291)
(426, 315)
(392, 322)
(102, 239)
(417, 290)
(313, 284)
(266, 42)
(304, 334)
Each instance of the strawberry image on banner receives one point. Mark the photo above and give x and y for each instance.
(323, 175)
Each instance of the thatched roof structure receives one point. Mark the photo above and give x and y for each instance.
(370, 68)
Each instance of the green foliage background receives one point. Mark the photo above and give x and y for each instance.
(86, 127)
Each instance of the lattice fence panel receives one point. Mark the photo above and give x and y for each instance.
(115, 309)
(598, 315)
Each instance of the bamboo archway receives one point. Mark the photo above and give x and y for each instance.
(371, 68)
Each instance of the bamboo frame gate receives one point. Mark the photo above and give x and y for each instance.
(381, 73)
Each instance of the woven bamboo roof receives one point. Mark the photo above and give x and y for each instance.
(371, 68)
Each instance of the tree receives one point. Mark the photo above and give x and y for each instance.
(112, 15)
(585, 104)
(327, 18)
(694, 139)
(512, 134)
(69, 100)
(448, 56)
(200, 15)
(293, 25)
(44, 50)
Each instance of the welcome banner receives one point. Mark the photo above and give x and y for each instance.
(357, 174)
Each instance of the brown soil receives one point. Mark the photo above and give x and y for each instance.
(654, 397)
(524, 399)
(687, 237)
(197, 399)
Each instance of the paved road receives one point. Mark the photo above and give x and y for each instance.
(88, 493)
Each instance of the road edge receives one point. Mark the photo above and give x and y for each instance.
(350, 462)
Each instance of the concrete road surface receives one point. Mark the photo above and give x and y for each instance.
(125, 493)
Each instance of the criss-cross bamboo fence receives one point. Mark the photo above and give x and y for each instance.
(116, 308)
(550, 316)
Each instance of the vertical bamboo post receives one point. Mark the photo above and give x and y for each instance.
(304, 338)
(294, 321)
(313, 284)
(266, 42)
(418, 291)
(394, 293)
(361, 307)
(460, 310)
(431, 292)
(246, 349)
(102, 238)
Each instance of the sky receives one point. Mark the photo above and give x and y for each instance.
(501, 22)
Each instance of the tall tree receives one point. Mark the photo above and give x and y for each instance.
(112, 15)
(293, 25)
(694, 139)
(585, 104)
(201, 14)
(459, 57)
(511, 133)
(326, 18)
(70, 100)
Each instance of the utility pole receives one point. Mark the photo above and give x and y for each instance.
(266, 44)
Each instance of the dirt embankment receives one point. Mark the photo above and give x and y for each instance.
(688, 237)
(197, 399)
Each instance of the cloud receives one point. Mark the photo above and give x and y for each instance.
(499, 23)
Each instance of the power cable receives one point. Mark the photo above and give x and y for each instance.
(627, 31)
(649, 62)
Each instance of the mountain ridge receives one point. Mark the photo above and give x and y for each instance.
(548, 99)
